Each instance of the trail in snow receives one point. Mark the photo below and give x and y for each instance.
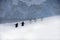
(48, 29)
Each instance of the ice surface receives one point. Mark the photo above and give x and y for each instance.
(48, 29)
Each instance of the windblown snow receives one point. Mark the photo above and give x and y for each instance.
(48, 29)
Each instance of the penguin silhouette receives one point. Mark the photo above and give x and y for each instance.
(22, 24)
(16, 25)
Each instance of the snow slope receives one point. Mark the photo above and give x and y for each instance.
(48, 29)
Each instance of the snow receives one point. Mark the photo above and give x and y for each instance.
(48, 29)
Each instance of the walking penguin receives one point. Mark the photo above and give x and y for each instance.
(22, 24)
(16, 25)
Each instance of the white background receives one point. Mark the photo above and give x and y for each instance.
(48, 29)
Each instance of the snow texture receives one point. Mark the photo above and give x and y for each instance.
(48, 29)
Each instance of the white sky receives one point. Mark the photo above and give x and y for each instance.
(48, 29)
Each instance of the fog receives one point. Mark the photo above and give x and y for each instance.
(18, 10)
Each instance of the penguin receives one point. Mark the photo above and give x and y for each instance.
(22, 24)
(16, 25)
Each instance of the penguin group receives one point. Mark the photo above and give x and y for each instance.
(22, 24)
